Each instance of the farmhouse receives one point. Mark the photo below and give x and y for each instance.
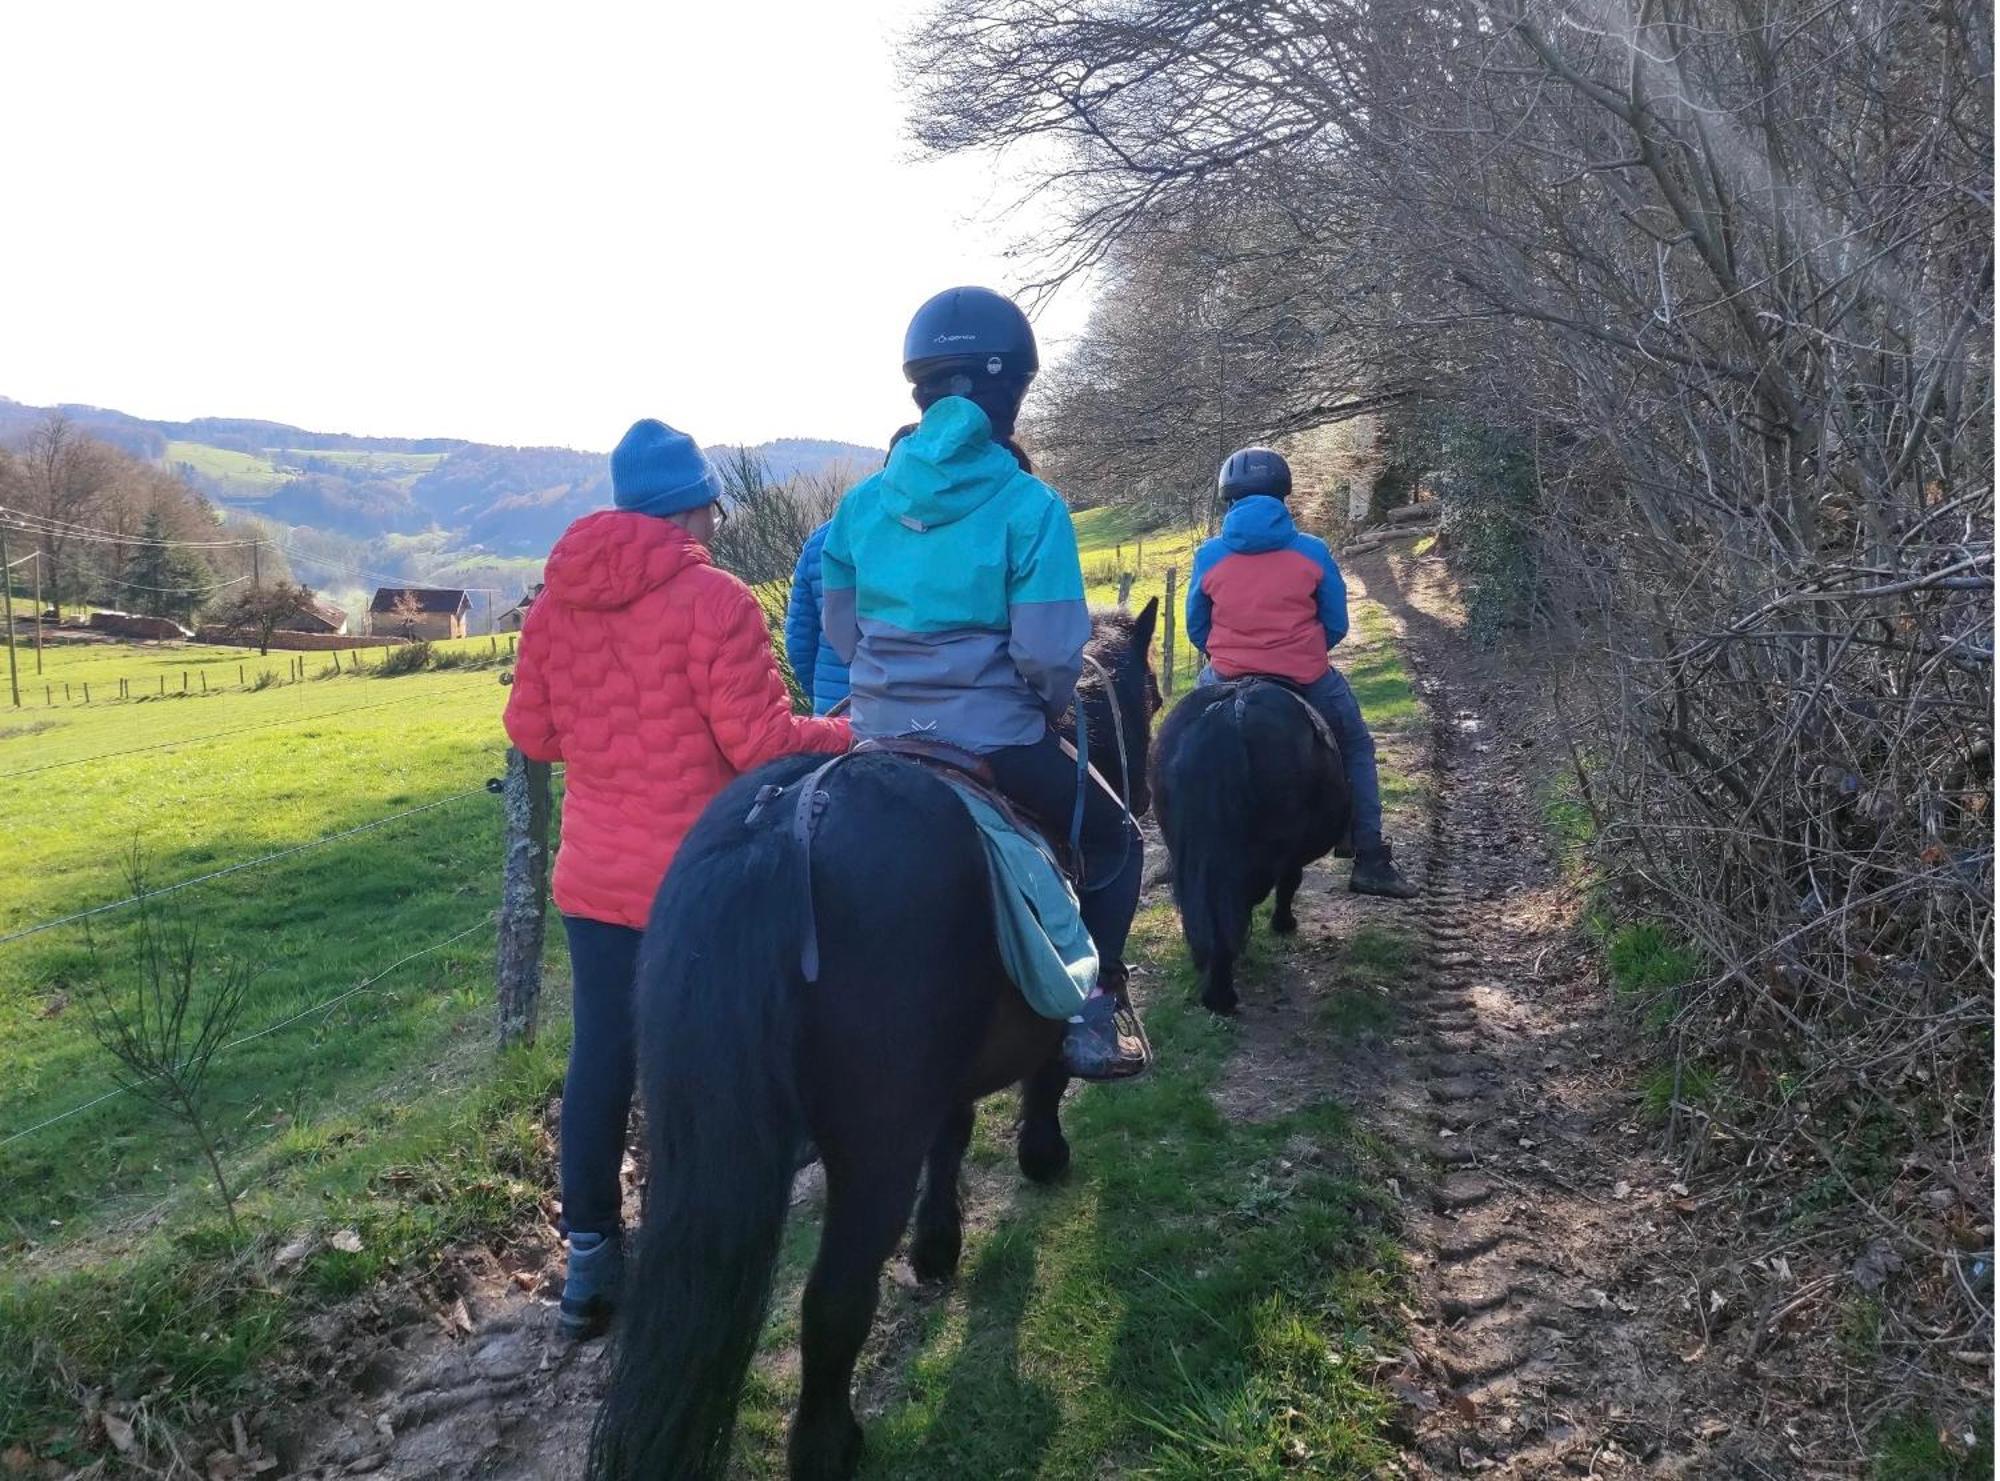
(511, 619)
(321, 617)
(419, 612)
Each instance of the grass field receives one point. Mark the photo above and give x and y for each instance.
(248, 474)
(372, 992)
(253, 475)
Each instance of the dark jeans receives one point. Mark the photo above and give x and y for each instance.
(1330, 695)
(597, 1092)
(1043, 781)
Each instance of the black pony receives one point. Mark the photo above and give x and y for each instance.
(879, 1062)
(1250, 790)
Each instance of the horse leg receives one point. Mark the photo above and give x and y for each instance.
(866, 1209)
(1283, 922)
(934, 1245)
(1042, 1150)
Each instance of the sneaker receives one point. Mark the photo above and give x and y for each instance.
(1375, 873)
(1106, 1042)
(590, 1286)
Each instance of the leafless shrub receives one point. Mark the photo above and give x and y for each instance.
(163, 1034)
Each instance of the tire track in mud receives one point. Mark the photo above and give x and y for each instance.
(1550, 1338)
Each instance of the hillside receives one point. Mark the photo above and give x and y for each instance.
(472, 501)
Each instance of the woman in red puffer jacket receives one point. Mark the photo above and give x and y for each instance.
(650, 674)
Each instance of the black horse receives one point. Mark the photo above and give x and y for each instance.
(1250, 790)
(911, 1020)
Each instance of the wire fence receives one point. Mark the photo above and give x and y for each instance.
(333, 712)
(486, 920)
(253, 673)
(260, 860)
(317, 1010)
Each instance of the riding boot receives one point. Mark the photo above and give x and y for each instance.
(1106, 1041)
(1375, 873)
(590, 1286)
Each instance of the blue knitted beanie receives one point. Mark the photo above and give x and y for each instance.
(656, 470)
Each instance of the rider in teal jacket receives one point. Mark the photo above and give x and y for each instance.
(950, 583)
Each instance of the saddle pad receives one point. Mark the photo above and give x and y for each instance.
(1043, 943)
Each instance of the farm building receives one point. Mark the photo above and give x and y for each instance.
(137, 625)
(511, 619)
(419, 612)
(323, 617)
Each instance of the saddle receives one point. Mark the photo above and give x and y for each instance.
(1246, 684)
(964, 772)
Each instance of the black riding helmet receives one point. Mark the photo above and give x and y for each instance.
(1254, 470)
(974, 343)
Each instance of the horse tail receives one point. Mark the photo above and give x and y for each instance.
(719, 989)
(1208, 833)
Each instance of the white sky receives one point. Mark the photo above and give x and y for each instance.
(516, 223)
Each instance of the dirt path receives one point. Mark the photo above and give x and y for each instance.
(1558, 1326)
(1561, 1328)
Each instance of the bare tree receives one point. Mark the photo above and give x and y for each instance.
(265, 609)
(63, 476)
(406, 611)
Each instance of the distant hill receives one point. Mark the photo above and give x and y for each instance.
(472, 498)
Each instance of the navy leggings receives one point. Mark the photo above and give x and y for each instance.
(597, 1092)
(1042, 780)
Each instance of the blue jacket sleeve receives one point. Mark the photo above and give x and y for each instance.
(1200, 608)
(838, 619)
(802, 613)
(1047, 618)
(1332, 596)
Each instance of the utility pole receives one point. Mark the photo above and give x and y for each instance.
(256, 566)
(7, 599)
(38, 611)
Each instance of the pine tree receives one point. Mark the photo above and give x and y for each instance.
(148, 570)
(159, 579)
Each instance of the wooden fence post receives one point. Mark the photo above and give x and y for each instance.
(524, 893)
(1124, 591)
(1167, 632)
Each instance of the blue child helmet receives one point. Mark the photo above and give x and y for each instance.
(970, 332)
(1254, 470)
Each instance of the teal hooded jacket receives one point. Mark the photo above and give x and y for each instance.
(951, 585)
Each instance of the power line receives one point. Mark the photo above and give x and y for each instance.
(195, 740)
(41, 524)
(328, 1006)
(283, 853)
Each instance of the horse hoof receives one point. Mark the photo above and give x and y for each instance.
(1284, 925)
(1044, 1163)
(1222, 1006)
(934, 1255)
(835, 1461)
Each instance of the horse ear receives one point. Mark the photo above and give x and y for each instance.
(1142, 625)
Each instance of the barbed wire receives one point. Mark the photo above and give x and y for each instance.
(283, 853)
(318, 1008)
(235, 730)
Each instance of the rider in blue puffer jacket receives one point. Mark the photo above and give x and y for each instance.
(821, 672)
